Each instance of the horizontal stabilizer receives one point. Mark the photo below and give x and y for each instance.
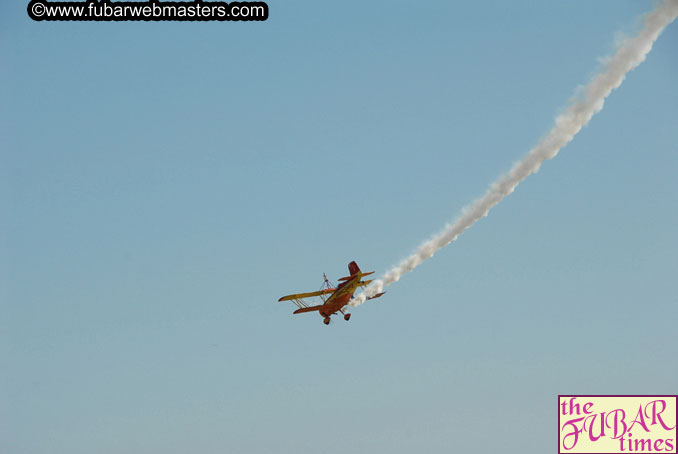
(376, 296)
(346, 278)
(308, 309)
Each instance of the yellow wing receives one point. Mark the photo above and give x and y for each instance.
(299, 296)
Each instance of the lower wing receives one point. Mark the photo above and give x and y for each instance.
(308, 309)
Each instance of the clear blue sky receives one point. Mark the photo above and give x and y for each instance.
(163, 184)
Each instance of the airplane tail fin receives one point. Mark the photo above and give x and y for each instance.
(353, 268)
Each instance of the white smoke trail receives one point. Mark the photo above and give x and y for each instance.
(630, 54)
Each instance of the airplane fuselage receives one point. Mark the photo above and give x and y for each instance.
(341, 296)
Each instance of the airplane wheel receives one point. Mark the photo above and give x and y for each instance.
(347, 316)
(326, 321)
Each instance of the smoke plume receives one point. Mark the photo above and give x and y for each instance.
(629, 54)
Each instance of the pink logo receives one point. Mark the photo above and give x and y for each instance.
(595, 424)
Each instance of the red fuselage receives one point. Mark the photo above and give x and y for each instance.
(341, 296)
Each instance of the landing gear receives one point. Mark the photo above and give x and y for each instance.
(326, 321)
(347, 316)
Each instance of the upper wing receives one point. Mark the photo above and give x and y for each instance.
(299, 296)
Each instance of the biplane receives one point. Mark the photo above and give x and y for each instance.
(333, 298)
